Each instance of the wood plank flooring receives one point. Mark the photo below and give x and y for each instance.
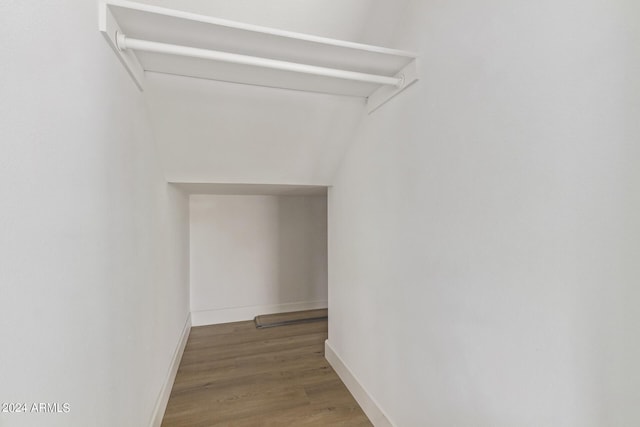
(236, 375)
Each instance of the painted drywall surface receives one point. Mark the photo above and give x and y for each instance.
(484, 244)
(93, 242)
(341, 20)
(257, 251)
(220, 132)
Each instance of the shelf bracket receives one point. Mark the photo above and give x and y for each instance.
(408, 76)
(110, 29)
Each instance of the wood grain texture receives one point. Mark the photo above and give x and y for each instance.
(239, 376)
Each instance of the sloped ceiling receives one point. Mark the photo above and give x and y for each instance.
(221, 132)
(218, 132)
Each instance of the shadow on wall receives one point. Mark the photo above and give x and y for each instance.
(302, 248)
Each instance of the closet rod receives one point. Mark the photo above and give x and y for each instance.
(125, 43)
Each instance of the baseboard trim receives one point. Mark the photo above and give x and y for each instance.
(237, 314)
(370, 407)
(163, 397)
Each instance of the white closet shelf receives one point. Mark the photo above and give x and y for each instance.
(150, 38)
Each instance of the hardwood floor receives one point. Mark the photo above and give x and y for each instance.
(239, 376)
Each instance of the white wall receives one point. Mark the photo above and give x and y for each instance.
(255, 255)
(220, 132)
(93, 242)
(484, 244)
(342, 19)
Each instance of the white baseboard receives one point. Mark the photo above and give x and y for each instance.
(364, 399)
(163, 397)
(237, 314)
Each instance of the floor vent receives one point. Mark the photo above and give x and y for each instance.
(291, 318)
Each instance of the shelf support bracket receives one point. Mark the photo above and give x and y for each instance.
(110, 29)
(408, 76)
